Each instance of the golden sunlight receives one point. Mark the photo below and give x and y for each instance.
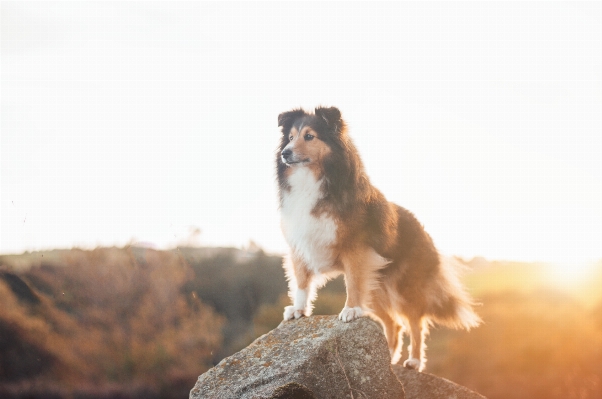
(571, 275)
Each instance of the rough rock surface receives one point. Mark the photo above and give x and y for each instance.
(426, 386)
(319, 356)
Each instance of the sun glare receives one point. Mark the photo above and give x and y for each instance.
(571, 275)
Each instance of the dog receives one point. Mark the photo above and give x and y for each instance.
(336, 222)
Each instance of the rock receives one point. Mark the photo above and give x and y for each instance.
(426, 386)
(316, 356)
(321, 357)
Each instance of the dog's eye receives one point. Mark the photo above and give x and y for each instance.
(290, 138)
(308, 137)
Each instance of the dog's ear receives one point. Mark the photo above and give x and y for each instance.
(331, 116)
(286, 119)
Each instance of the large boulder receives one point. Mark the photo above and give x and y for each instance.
(321, 357)
(317, 356)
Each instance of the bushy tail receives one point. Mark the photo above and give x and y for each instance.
(452, 306)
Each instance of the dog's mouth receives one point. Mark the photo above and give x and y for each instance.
(293, 162)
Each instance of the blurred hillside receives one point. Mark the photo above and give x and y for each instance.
(134, 322)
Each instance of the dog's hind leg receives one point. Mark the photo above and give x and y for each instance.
(418, 331)
(393, 333)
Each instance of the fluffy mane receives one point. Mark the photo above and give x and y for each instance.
(345, 183)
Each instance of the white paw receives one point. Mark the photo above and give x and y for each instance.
(413, 364)
(291, 313)
(395, 355)
(348, 314)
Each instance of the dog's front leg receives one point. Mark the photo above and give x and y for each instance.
(361, 277)
(353, 308)
(355, 290)
(301, 289)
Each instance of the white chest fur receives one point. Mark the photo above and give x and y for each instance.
(309, 237)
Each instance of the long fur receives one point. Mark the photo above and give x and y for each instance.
(336, 222)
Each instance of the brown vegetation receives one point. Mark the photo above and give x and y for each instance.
(106, 319)
(142, 323)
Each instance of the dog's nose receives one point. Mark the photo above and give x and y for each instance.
(286, 153)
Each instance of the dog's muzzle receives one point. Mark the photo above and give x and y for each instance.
(287, 156)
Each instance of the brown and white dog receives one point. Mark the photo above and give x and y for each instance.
(336, 222)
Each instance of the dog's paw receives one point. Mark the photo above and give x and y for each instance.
(413, 364)
(291, 313)
(395, 355)
(348, 314)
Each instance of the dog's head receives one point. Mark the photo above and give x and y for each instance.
(307, 139)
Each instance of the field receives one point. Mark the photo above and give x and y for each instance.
(134, 322)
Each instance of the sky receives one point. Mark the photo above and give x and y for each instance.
(145, 123)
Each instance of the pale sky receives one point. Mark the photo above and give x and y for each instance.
(137, 122)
